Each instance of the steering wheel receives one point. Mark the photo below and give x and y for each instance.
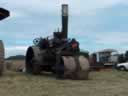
(36, 41)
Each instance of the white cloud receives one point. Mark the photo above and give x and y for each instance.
(77, 7)
(116, 38)
(106, 38)
(23, 8)
(103, 40)
(15, 50)
(17, 14)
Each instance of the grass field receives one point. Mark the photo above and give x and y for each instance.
(112, 83)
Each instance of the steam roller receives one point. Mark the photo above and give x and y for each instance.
(3, 14)
(59, 54)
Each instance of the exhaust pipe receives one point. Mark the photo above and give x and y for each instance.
(65, 21)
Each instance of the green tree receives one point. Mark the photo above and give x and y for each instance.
(121, 58)
(126, 56)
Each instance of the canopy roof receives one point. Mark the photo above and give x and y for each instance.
(4, 13)
(107, 51)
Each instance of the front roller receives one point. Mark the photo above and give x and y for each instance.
(76, 67)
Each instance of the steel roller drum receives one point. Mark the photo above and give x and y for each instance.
(76, 67)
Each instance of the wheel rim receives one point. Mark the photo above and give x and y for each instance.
(122, 68)
(29, 60)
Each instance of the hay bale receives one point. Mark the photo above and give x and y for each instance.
(19, 67)
(1, 69)
(1, 57)
(8, 65)
(15, 65)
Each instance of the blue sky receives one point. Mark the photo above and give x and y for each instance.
(97, 24)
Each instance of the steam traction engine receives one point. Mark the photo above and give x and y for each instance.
(59, 54)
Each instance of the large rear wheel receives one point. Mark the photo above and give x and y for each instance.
(32, 60)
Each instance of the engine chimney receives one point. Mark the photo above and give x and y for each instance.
(65, 21)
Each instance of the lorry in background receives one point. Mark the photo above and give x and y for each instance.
(106, 58)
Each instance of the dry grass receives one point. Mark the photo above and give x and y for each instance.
(15, 65)
(112, 83)
(103, 83)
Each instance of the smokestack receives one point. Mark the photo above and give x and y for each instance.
(65, 21)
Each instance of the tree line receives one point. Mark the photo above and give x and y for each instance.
(123, 57)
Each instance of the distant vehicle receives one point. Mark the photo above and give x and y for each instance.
(104, 59)
(122, 66)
